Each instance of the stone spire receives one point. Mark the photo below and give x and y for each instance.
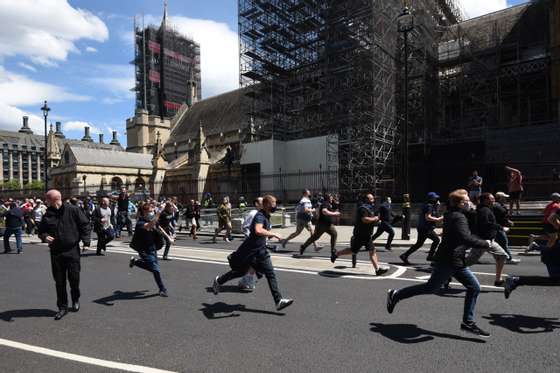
(53, 149)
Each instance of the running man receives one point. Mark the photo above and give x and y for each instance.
(450, 260)
(304, 214)
(386, 218)
(253, 254)
(427, 221)
(363, 230)
(551, 222)
(324, 224)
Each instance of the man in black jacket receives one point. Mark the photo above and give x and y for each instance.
(122, 214)
(487, 229)
(450, 260)
(386, 218)
(14, 225)
(62, 227)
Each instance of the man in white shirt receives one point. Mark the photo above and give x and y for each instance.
(304, 214)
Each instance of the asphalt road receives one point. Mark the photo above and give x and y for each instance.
(336, 324)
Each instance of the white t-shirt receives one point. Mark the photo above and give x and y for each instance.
(304, 203)
(246, 227)
(106, 214)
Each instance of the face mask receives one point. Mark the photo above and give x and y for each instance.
(151, 215)
(273, 209)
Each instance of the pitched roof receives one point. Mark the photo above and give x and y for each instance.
(222, 113)
(13, 137)
(110, 158)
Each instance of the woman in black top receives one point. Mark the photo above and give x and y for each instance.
(450, 260)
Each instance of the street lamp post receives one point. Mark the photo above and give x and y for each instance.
(405, 24)
(84, 177)
(45, 110)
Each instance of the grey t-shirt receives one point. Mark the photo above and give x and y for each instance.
(106, 214)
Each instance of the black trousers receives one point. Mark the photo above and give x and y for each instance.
(422, 236)
(382, 228)
(66, 268)
(261, 264)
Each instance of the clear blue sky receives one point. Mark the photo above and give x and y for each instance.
(76, 54)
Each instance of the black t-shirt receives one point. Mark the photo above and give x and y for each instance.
(362, 229)
(143, 238)
(165, 219)
(324, 219)
(122, 203)
(501, 213)
(385, 212)
(14, 218)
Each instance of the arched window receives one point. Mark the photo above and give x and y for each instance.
(116, 184)
(139, 184)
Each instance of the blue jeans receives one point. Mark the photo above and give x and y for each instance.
(502, 240)
(440, 274)
(7, 233)
(148, 261)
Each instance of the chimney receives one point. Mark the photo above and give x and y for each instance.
(87, 137)
(25, 128)
(115, 141)
(58, 132)
(101, 138)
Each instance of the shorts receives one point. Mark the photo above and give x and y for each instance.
(515, 196)
(301, 224)
(495, 249)
(549, 228)
(356, 243)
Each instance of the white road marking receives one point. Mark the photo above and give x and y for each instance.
(394, 276)
(81, 358)
(423, 277)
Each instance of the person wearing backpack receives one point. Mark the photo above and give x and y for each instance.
(304, 214)
(253, 254)
(101, 218)
(324, 225)
(146, 240)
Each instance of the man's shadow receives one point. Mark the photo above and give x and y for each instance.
(18, 314)
(524, 324)
(408, 333)
(124, 295)
(212, 311)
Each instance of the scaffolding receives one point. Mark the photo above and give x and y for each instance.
(327, 67)
(496, 71)
(162, 88)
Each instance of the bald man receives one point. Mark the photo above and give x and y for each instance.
(62, 227)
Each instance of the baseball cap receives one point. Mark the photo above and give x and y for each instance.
(502, 195)
(433, 195)
(555, 196)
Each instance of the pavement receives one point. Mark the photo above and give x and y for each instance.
(338, 321)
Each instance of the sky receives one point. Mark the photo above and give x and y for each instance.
(76, 54)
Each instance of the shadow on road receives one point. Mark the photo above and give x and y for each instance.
(124, 295)
(18, 314)
(408, 333)
(212, 311)
(229, 289)
(524, 324)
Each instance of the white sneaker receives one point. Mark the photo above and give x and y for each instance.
(283, 303)
(532, 247)
(514, 261)
(216, 286)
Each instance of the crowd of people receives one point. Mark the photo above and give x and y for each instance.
(472, 222)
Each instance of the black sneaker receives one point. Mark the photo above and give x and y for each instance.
(333, 257)
(404, 259)
(163, 293)
(474, 329)
(388, 249)
(301, 250)
(509, 286)
(61, 313)
(499, 284)
(75, 306)
(391, 303)
(216, 286)
(132, 262)
(381, 271)
(430, 258)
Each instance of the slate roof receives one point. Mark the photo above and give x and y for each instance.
(13, 137)
(222, 113)
(110, 158)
